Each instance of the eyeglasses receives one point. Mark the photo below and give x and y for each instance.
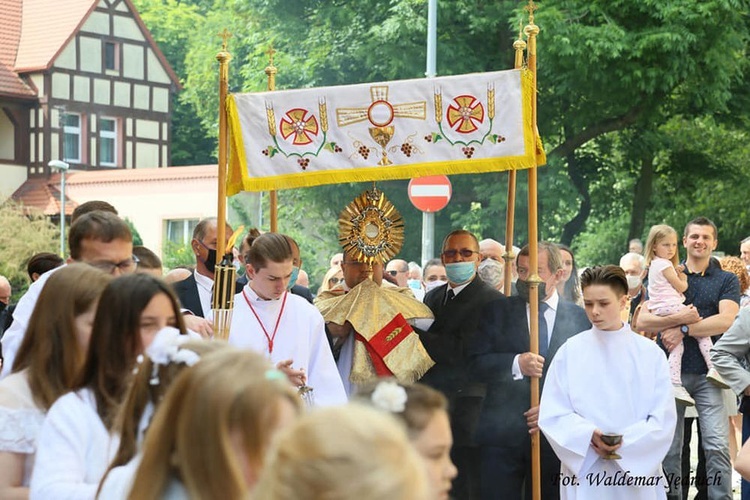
(394, 273)
(452, 253)
(126, 266)
(335, 281)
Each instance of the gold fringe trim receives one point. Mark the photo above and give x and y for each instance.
(240, 180)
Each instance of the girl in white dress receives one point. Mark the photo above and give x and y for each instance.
(75, 444)
(425, 413)
(50, 356)
(209, 437)
(353, 452)
(167, 356)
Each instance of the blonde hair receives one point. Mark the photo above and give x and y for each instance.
(142, 391)
(656, 235)
(331, 273)
(342, 453)
(422, 402)
(50, 349)
(228, 392)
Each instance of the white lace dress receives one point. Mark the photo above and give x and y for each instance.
(20, 420)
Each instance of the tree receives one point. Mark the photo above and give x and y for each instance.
(137, 240)
(173, 24)
(641, 104)
(27, 233)
(617, 65)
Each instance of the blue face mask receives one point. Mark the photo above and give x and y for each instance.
(414, 284)
(460, 272)
(293, 278)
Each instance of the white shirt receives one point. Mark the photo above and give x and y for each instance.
(119, 481)
(205, 291)
(549, 316)
(21, 316)
(74, 450)
(300, 337)
(614, 381)
(20, 420)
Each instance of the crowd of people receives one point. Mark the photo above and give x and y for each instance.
(392, 380)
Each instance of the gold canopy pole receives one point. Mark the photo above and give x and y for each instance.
(519, 45)
(531, 30)
(224, 274)
(273, 198)
(223, 57)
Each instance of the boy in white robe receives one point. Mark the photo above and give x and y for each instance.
(286, 328)
(609, 380)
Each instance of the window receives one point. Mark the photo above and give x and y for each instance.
(71, 123)
(108, 142)
(180, 231)
(111, 56)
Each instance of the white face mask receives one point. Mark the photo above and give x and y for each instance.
(430, 285)
(633, 282)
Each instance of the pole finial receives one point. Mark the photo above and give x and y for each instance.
(271, 51)
(225, 35)
(271, 69)
(530, 8)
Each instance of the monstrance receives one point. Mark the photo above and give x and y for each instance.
(371, 229)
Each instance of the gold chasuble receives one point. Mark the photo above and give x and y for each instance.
(386, 343)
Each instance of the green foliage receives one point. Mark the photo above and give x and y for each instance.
(26, 234)
(623, 85)
(176, 255)
(137, 240)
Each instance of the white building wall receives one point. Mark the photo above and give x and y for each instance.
(11, 178)
(150, 204)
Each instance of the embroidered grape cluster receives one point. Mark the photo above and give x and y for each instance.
(407, 149)
(428, 138)
(337, 149)
(468, 151)
(364, 152)
(265, 152)
(303, 162)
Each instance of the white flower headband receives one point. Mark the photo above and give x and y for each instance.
(165, 349)
(389, 396)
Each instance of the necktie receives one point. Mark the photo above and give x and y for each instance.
(543, 334)
(449, 296)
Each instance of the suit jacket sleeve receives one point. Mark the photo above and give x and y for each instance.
(730, 349)
(303, 292)
(490, 360)
(447, 340)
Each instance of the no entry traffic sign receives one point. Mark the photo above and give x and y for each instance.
(430, 194)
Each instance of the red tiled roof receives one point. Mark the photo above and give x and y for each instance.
(43, 194)
(47, 27)
(34, 32)
(11, 85)
(142, 174)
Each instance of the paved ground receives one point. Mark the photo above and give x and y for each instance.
(694, 460)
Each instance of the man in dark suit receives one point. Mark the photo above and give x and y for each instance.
(457, 306)
(501, 358)
(195, 291)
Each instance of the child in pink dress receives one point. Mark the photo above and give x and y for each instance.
(666, 284)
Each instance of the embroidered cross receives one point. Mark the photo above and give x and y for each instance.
(380, 113)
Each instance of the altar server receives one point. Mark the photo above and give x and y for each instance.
(608, 380)
(286, 328)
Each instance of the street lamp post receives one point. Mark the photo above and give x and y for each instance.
(62, 167)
